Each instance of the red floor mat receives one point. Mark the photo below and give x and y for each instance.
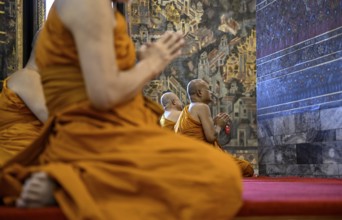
(291, 196)
(262, 197)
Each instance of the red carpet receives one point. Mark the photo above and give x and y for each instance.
(263, 196)
(291, 196)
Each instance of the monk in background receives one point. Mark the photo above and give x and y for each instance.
(173, 107)
(102, 145)
(196, 121)
(22, 109)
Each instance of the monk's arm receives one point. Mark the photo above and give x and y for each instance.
(106, 85)
(28, 87)
(210, 131)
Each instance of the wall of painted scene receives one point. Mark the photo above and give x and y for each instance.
(220, 48)
(10, 37)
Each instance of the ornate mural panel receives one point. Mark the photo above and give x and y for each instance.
(11, 42)
(220, 48)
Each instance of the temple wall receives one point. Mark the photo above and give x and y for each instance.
(299, 87)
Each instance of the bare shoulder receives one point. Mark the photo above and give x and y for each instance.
(15, 79)
(199, 110)
(199, 106)
(22, 81)
(81, 13)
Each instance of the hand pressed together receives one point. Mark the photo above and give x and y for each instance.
(160, 53)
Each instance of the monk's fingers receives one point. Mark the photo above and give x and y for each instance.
(223, 116)
(170, 39)
(165, 37)
(176, 41)
(175, 55)
(176, 47)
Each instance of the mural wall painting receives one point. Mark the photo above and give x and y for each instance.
(11, 37)
(220, 48)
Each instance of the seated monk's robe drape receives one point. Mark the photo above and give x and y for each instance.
(117, 164)
(18, 125)
(188, 126)
(166, 123)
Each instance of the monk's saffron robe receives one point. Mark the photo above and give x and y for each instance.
(117, 164)
(166, 123)
(18, 125)
(188, 126)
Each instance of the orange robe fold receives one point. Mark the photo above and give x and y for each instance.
(118, 164)
(18, 125)
(188, 126)
(166, 123)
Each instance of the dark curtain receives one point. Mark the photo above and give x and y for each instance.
(28, 34)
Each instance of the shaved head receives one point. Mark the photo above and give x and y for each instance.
(166, 98)
(194, 86)
(170, 100)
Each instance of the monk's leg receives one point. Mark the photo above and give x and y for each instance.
(37, 191)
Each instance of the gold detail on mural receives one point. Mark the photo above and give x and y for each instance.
(39, 14)
(229, 25)
(3, 32)
(2, 12)
(246, 73)
(19, 34)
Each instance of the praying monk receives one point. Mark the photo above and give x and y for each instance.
(102, 153)
(172, 108)
(195, 120)
(22, 109)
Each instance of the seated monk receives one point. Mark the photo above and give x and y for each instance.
(22, 110)
(102, 153)
(172, 108)
(195, 120)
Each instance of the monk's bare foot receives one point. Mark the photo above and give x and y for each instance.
(37, 192)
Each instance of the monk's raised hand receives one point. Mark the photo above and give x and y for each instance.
(142, 53)
(221, 120)
(174, 41)
(160, 53)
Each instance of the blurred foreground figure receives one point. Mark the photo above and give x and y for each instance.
(103, 145)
